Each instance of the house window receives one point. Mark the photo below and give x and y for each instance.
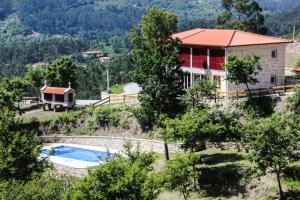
(273, 79)
(274, 53)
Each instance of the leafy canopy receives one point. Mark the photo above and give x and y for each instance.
(128, 178)
(179, 173)
(61, 72)
(243, 15)
(156, 55)
(11, 91)
(273, 142)
(193, 129)
(19, 150)
(243, 69)
(294, 102)
(201, 88)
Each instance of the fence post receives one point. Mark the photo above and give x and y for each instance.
(284, 88)
(216, 97)
(124, 97)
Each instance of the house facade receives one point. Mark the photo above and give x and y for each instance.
(204, 52)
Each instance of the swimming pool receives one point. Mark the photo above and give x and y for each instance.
(78, 153)
(77, 156)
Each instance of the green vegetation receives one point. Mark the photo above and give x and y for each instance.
(117, 89)
(200, 88)
(19, 150)
(270, 138)
(243, 70)
(159, 73)
(121, 178)
(242, 15)
(273, 142)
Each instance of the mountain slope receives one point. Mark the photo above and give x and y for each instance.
(284, 22)
(105, 18)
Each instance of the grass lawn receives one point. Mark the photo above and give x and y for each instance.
(40, 115)
(219, 169)
(117, 89)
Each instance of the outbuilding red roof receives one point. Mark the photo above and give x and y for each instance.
(54, 90)
(225, 38)
(296, 69)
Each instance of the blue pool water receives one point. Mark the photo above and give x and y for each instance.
(78, 153)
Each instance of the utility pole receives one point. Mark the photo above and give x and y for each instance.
(294, 32)
(107, 79)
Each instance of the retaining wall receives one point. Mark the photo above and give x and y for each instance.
(118, 142)
(112, 142)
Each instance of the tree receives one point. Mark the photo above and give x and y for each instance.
(201, 88)
(180, 173)
(19, 150)
(193, 129)
(13, 90)
(61, 72)
(35, 76)
(272, 142)
(242, 15)
(156, 55)
(243, 70)
(129, 177)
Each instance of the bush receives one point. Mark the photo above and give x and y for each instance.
(129, 177)
(259, 106)
(39, 188)
(294, 102)
(106, 117)
(229, 179)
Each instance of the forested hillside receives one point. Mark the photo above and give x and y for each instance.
(67, 27)
(105, 18)
(283, 22)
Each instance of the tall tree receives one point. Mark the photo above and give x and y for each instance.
(61, 72)
(243, 70)
(273, 142)
(35, 76)
(19, 150)
(156, 55)
(243, 15)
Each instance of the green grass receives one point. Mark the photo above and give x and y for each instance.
(117, 89)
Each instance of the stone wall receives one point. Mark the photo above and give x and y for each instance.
(115, 143)
(292, 54)
(270, 66)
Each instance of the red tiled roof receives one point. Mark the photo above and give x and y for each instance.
(53, 90)
(296, 69)
(225, 38)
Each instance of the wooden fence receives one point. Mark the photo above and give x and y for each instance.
(133, 98)
(280, 90)
(115, 99)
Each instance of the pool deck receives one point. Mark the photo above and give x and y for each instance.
(77, 164)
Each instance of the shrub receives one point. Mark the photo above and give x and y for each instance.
(106, 117)
(39, 188)
(180, 173)
(129, 177)
(259, 106)
(294, 102)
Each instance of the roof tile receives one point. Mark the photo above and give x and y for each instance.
(225, 38)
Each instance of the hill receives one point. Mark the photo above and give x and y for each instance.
(105, 18)
(282, 23)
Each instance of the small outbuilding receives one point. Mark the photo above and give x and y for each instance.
(58, 97)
